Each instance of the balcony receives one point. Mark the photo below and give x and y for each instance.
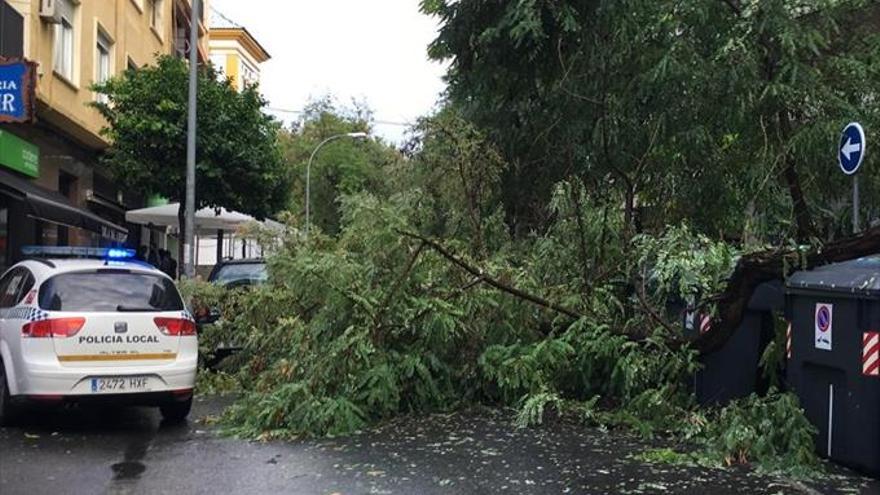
(182, 15)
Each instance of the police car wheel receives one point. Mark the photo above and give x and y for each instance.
(175, 412)
(8, 410)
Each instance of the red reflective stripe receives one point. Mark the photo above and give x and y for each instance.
(875, 349)
(705, 323)
(871, 353)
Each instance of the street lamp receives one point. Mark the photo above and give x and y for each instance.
(352, 135)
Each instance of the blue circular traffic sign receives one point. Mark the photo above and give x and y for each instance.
(823, 318)
(851, 151)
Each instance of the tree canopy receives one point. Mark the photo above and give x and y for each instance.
(238, 162)
(722, 112)
(343, 166)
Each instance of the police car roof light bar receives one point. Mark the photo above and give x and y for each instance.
(78, 252)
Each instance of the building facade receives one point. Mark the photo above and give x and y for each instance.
(235, 52)
(53, 190)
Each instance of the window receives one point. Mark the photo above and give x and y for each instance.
(103, 58)
(131, 64)
(64, 49)
(109, 290)
(219, 62)
(14, 286)
(249, 75)
(8, 286)
(65, 39)
(156, 14)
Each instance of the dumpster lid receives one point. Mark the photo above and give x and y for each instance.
(860, 276)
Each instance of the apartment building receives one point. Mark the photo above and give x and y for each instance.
(53, 190)
(234, 51)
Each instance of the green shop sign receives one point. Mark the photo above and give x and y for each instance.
(19, 155)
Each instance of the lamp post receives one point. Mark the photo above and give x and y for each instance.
(352, 135)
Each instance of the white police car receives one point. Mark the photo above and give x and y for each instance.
(94, 329)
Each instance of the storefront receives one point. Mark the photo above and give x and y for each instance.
(47, 181)
(32, 215)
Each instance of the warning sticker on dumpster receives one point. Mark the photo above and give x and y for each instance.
(824, 325)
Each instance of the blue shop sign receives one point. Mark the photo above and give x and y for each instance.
(16, 90)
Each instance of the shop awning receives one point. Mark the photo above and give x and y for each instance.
(207, 220)
(53, 207)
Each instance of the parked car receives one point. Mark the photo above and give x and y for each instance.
(239, 273)
(99, 330)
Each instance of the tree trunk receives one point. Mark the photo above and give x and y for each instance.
(802, 217)
(754, 269)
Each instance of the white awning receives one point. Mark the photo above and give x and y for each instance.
(207, 220)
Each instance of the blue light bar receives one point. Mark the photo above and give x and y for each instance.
(120, 254)
(78, 252)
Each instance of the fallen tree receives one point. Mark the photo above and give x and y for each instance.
(753, 269)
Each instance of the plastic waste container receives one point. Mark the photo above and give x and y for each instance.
(834, 361)
(732, 372)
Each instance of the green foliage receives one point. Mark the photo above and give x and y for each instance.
(343, 166)
(216, 383)
(457, 168)
(770, 432)
(202, 298)
(363, 322)
(686, 264)
(238, 162)
(774, 355)
(532, 411)
(718, 113)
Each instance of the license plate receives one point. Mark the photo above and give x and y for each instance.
(120, 384)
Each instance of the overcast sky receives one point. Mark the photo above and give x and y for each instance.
(372, 50)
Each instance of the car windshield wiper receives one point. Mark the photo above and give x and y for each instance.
(136, 309)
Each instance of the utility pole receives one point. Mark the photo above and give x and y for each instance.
(189, 243)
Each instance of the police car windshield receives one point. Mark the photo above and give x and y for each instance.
(108, 291)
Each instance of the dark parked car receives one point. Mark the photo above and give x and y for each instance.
(239, 273)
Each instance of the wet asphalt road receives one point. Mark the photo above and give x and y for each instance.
(124, 451)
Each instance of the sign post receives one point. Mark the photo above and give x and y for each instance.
(850, 155)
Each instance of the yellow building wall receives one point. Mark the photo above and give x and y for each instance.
(65, 103)
(235, 50)
(232, 69)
